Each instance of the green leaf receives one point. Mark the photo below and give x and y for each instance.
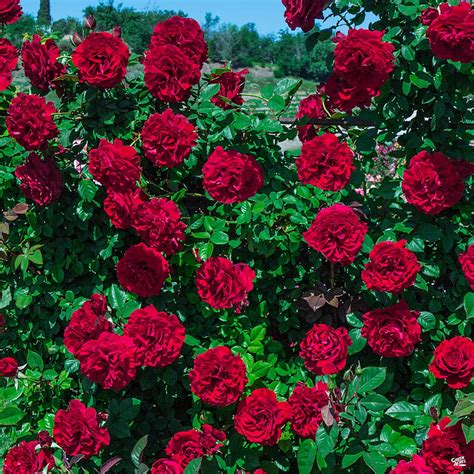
(87, 190)
(219, 238)
(468, 432)
(375, 402)
(418, 81)
(469, 305)
(427, 320)
(375, 461)
(371, 378)
(34, 361)
(116, 297)
(258, 333)
(209, 92)
(358, 342)
(306, 456)
(464, 407)
(404, 411)
(137, 450)
(10, 415)
(193, 467)
(324, 442)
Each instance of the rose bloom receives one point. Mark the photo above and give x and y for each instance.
(310, 107)
(10, 11)
(325, 162)
(454, 361)
(158, 223)
(8, 62)
(432, 183)
(428, 15)
(40, 179)
(109, 360)
(218, 377)
(392, 267)
(324, 349)
(40, 61)
(120, 207)
(169, 73)
(185, 446)
(142, 270)
(338, 233)
(102, 60)
(158, 336)
(306, 404)
(24, 458)
(115, 165)
(8, 367)
(393, 331)
(467, 263)
(223, 284)
(416, 466)
(87, 323)
(77, 430)
(168, 138)
(260, 416)
(232, 85)
(451, 34)
(231, 176)
(185, 33)
(303, 13)
(30, 121)
(166, 466)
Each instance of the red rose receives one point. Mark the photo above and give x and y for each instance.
(230, 176)
(432, 183)
(303, 13)
(185, 33)
(393, 331)
(345, 96)
(310, 107)
(30, 121)
(158, 223)
(260, 416)
(40, 179)
(232, 85)
(8, 62)
(102, 60)
(324, 349)
(120, 207)
(338, 233)
(158, 336)
(40, 61)
(26, 459)
(218, 377)
(454, 361)
(325, 162)
(77, 430)
(168, 138)
(306, 404)
(166, 466)
(8, 367)
(416, 466)
(392, 267)
(142, 270)
(10, 11)
(451, 34)
(185, 446)
(223, 284)
(467, 263)
(109, 360)
(87, 323)
(115, 165)
(428, 15)
(170, 74)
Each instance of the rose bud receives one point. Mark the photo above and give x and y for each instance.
(76, 39)
(90, 22)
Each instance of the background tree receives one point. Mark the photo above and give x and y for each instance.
(44, 13)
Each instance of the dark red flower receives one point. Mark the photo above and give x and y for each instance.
(8, 62)
(24, 458)
(10, 11)
(218, 377)
(416, 466)
(8, 367)
(466, 260)
(121, 206)
(102, 60)
(166, 466)
(310, 107)
(428, 15)
(230, 176)
(303, 13)
(345, 96)
(232, 85)
(158, 336)
(168, 138)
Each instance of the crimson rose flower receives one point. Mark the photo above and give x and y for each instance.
(109, 360)
(310, 107)
(223, 284)
(432, 182)
(345, 96)
(169, 73)
(168, 138)
(338, 233)
(10, 11)
(324, 349)
(451, 34)
(454, 361)
(30, 121)
(87, 323)
(8, 62)
(416, 466)
(231, 176)
(40, 61)
(120, 207)
(232, 85)
(467, 263)
(325, 162)
(158, 336)
(26, 459)
(158, 223)
(260, 416)
(77, 430)
(428, 15)
(393, 331)
(392, 267)
(166, 466)
(8, 367)
(40, 179)
(303, 13)
(102, 60)
(218, 377)
(115, 165)
(142, 270)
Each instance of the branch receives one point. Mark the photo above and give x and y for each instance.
(349, 122)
